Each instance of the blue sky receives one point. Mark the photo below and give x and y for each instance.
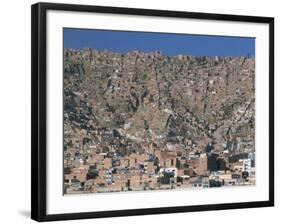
(168, 44)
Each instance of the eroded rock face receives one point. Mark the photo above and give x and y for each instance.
(121, 103)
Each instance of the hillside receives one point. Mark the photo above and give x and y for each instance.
(145, 97)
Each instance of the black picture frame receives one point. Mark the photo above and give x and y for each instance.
(39, 108)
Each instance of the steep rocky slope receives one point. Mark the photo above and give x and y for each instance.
(137, 98)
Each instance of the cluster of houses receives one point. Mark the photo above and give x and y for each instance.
(156, 169)
(146, 121)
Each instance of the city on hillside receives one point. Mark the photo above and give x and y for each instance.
(144, 121)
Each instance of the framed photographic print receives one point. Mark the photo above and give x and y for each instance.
(140, 111)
